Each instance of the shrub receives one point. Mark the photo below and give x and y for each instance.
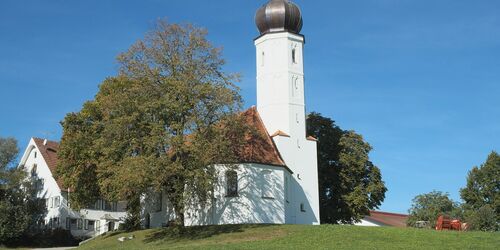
(483, 219)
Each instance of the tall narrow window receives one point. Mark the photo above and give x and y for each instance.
(158, 202)
(231, 183)
(294, 55)
(34, 170)
(262, 59)
(267, 185)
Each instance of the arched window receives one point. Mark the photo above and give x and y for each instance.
(231, 183)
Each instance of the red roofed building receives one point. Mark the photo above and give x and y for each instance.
(40, 161)
(377, 218)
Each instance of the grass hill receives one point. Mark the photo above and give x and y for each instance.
(296, 237)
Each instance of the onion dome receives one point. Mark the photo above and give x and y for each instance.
(279, 15)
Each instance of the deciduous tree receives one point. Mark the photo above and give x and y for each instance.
(428, 207)
(482, 193)
(350, 184)
(19, 206)
(160, 124)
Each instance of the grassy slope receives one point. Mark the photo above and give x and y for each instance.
(301, 237)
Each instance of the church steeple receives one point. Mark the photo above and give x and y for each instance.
(281, 104)
(280, 69)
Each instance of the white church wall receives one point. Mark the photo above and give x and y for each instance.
(155, 215)
(280, 80)
(261, 198)
(300, 156)
(281, 104)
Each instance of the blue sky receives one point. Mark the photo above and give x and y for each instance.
(420, 80)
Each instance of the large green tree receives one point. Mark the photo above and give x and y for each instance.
(429, 206)
(19, 206)
(482, 194)
(160, 124)
(350, 185)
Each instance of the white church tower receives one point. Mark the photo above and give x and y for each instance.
(281, 103)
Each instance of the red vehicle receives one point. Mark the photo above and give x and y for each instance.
(446, 223)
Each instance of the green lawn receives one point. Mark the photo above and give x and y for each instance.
(298, 237)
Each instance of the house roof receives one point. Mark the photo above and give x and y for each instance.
(259, 147)
(49, 153)
(388, 219)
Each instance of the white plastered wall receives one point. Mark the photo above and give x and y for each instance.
(281, 104)
(251, 206)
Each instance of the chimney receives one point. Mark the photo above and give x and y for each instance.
(45, 142)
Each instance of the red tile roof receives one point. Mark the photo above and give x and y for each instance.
(388, 219)
(49, 153)
(259, 147)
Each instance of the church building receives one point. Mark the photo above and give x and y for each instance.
(276, 179)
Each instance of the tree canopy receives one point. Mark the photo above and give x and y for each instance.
(20, 209)
(482, 194)
(350, 184)
(160, 124)
(429, 206)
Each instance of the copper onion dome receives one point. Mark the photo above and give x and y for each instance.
(279, 15)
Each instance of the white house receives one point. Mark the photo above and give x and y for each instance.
(40, 161)
(277, 180)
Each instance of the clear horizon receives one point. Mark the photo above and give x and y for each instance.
(420, 80)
